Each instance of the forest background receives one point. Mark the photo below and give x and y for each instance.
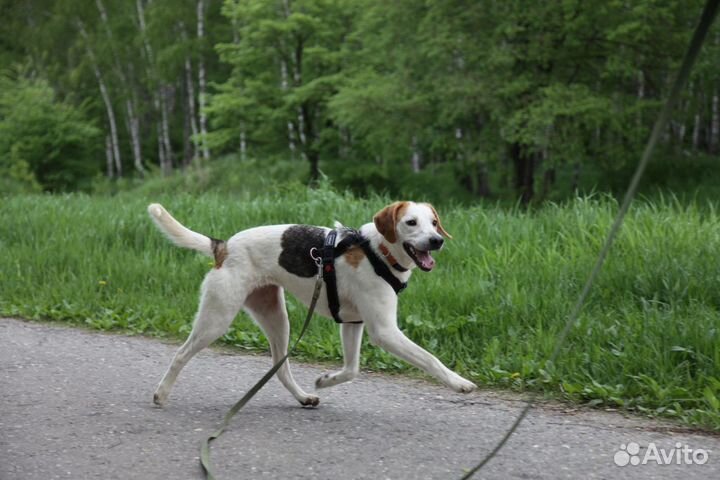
(452, 99)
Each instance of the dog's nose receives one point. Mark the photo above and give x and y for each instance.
(436, 242)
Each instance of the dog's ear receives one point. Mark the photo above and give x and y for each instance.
(439, 226)
(386, 219)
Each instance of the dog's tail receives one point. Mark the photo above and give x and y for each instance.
(178, 233)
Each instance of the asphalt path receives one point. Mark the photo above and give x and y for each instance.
(78, 404)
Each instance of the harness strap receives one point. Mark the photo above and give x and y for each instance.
(332, 251)
(381, 268)
(328, 260)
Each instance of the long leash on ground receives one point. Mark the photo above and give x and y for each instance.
(205, 448)
(708, 16)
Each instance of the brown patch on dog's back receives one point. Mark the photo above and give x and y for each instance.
(354, 256)
(219, 249)
(386, 220)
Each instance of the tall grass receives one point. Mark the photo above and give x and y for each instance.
(647, 339)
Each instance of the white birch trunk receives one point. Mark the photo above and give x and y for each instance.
(415, 159)
(291, 128)
(299, 126)
(133, 122)
(111, 120)
(117, 162)
(156, 90)
(681, 133)
(167, 164)
(201, 80)
(135, 137)
(109, 156)
(191, 108)
(714, 124)
(161, 146)
(243, 145)
(143, 30)
(297, 81)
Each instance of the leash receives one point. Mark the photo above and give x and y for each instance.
(708, 16)
(205, 448)
(706, 20)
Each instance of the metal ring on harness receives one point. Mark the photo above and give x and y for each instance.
(316, 257)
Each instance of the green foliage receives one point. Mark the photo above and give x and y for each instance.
(286, 63)
(503, 100)
(492, 309)
(43, 140)
(228, 175)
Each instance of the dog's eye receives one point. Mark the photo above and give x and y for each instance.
(412, 223)
(434, 223)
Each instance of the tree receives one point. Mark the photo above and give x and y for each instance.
(43, 139)
(286, 65)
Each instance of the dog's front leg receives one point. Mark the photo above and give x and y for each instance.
(351, 340)
(385, 334)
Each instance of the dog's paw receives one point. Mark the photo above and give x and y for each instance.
(464, 386)
(310, 401)
(323, 381)
(159, 399)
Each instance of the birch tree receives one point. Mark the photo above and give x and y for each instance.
(132, 120)
(114, 167)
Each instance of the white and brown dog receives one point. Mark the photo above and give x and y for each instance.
(254, 267)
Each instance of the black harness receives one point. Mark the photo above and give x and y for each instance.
(331, 252)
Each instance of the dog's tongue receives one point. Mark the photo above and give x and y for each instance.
(426, 260)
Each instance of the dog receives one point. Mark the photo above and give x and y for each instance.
(255, 266)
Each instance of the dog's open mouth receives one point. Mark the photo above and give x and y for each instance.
(422, 258)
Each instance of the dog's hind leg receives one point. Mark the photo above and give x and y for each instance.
(267, 306)
(351, 340)
(218, 307)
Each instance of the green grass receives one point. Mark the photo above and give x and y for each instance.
(647, 339)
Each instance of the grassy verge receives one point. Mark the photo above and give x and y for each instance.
(648, 339)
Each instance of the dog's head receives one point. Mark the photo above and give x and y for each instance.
(415, 227)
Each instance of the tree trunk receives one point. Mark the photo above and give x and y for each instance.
(243, 144)
(416, 158)
(576, 178)
(714, 124)
(310, 146)
(117, 162)
(167, 166)
(305, 126)
(548, 181)
(524, 164)
(133, 122)
(292, 132)
(186, 140)
(109, 156)
(113, 124)
(483, 181)
(201, 79)
(143, 29)
(135, 138)
(191, 108)
(162, 160)
(314, 159)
